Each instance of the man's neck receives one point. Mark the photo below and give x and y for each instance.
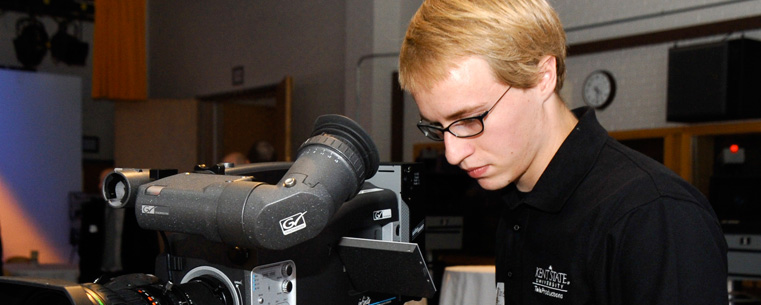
(560, 121)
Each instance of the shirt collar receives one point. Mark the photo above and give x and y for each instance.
(567, 168)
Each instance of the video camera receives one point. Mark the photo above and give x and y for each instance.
(329, 231)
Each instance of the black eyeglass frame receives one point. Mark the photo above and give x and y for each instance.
(428, 128)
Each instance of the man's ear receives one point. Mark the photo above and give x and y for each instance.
(548, 78)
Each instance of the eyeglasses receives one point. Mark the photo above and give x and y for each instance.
(462, 128)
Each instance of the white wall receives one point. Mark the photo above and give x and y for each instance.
(40, 149)
(641, 78)
(640, 72)
(624, 17)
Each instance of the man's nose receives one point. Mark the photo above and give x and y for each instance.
(456, 149)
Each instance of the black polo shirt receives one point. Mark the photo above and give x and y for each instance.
(607, 225)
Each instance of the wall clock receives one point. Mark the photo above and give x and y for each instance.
(599, 89)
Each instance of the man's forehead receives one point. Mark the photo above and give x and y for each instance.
(468, 82)
(449, 108)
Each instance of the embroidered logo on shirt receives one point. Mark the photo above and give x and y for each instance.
(550, 282)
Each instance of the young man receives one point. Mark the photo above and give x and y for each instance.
(586, 220)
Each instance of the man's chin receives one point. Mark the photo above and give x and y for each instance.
(491, 184)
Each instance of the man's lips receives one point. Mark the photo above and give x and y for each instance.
(476, 172)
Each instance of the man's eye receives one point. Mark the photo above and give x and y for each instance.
(465, 122)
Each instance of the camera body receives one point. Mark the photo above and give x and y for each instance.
(364, 255)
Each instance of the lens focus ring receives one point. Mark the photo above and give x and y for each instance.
(348, 152)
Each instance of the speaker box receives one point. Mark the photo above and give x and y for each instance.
(712, 82)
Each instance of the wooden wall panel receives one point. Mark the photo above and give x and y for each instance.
(156, 134)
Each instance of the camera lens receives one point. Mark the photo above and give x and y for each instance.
(143, 289)
(207, 290)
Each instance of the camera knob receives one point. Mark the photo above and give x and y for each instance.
(286, 286)
(287, 270)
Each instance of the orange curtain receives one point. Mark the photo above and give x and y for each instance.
(119, 55)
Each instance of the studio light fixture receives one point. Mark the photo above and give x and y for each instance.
(31, 42)
(68, 48)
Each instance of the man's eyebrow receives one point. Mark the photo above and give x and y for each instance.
(427, 121)
(452, 117)
(459, 114)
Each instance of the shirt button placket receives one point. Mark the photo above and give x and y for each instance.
(517, 228)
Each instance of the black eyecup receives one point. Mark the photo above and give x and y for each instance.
(345, 128)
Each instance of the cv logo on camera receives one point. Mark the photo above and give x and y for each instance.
(293, 223)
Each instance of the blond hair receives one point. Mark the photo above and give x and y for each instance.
(511, 35)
